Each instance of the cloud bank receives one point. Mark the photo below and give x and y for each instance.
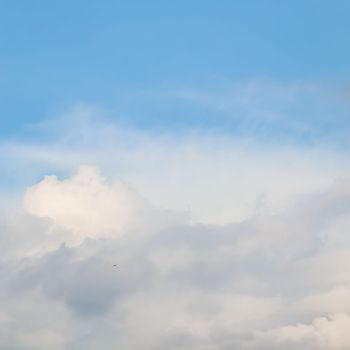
(273, 280)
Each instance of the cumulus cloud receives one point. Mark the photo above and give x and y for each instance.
(323, 334)
(271, 281)
(219, 244)
(88, 206)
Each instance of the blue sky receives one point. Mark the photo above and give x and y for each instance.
(135, 59)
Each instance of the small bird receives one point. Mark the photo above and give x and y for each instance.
(115, 265)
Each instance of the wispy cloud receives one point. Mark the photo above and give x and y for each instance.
(296, 112)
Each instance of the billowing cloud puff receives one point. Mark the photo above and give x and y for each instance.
(88, 206)
(322, 334)
(272, 281)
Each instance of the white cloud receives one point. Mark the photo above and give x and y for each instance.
(322, 334)
(267, 273)
(88, 206)
(267, 282)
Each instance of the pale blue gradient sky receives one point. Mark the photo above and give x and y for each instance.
(180, 66)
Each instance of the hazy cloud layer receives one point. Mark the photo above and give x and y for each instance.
(276, 280)
(218, 179)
